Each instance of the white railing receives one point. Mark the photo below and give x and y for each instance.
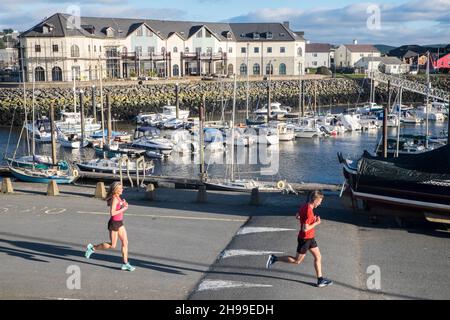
(409, 85)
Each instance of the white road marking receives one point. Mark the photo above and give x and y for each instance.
(247, 230)
(55, 211)
(222, 284)
(233, 253)
(169, 217)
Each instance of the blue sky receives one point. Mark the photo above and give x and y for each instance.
(401, 22)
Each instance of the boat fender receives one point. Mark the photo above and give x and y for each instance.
(281, 184)
(75, 173)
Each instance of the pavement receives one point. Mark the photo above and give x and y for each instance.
(216, 250)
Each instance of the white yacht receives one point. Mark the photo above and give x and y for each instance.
(305, 128)
(70, 123)
(113, 166)
(42, 130)
(276, 110)
(149, 138)
(170, 112)
(433, 113)
(371, 107)
(71, 141)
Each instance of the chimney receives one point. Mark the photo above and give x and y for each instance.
(286, 24)
(355, 41)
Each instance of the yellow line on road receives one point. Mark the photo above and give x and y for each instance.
(169, 217)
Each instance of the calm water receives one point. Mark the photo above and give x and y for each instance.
(302, 160)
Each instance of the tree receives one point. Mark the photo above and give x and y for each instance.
(8, 31)
(2, 44)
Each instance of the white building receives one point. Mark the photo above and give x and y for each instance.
(347, 55)
(318, 55)
(54, 50)
(389, 65)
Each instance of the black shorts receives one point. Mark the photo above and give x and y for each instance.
(305, 244)
(114, 225)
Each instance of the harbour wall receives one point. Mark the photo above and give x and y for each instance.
(129, 100)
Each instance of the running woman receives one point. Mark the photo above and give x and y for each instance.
(115, 226)
(306, 241)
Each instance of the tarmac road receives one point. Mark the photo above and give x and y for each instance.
(177, 247)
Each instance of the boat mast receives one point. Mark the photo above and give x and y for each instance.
(428, 99)
(101, 102)
(74, 91)
(248, 79)
(300, 92)
(232, 128)
(398, 126)
(25, 102)
(33, 145)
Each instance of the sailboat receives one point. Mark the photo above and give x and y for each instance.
(39, 174)
(232, 184)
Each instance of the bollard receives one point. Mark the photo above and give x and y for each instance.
(151, 193)
(7, 186)
(254, 200)
(52, 189)
(100, 191)
(202, 196)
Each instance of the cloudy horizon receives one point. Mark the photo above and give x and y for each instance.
(383, 22)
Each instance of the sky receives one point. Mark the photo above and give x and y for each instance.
(380, 22)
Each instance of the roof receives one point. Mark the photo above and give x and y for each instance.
(318, 47)
(384, 60)
(361, 48)
(124, 27)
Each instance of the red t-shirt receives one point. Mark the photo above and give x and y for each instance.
(306, 217)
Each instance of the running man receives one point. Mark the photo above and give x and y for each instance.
(306, 241)
(115, 226)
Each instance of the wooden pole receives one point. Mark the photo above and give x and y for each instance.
(52, 128)
(82, 116)
(94, 104)
(177, 100)
(108, 106)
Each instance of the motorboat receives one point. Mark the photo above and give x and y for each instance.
(71, 141)
(71, 123)
(305, 128)
(149, 138)
(42, 130)
(433, 113)
(276, 110)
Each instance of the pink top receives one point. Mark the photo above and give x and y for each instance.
(120, 204)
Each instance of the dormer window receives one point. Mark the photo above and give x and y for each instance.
(89, 28)
(47, 28)
(229, 36)
(282, 34)
(256, 36)
(109, 32)
(269, 35)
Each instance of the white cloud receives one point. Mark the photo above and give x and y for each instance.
(341, 25)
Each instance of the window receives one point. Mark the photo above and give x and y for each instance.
(150, 50)
(220, 50)
(176, 70)
(198, 50)
(243, 69)
(269, 68)
(230, 50)
(208, 34)
(243, 50)
(269, 49)
(55, 48)
(315, 55)
(37, 48)
(100, 48)
(283, 50)
(110, 32)
(125, 51)
(186, 50)
(314, 63)
(175, 50)
(229, 36)
(163, 50)
(56, 74)
(138, 51)
(300, 51)
(39, 74)
(75, 51)
(148, 32)
(139, 32)
(209, 50)
(256, 36)
(200, 34)
(282, 69)
(256, 69)
(269, 35)
(95, 48)
(256, 50)
(89, 48)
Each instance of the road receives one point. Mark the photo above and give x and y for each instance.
(184, 250)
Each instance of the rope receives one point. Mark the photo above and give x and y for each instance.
(9, 136)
